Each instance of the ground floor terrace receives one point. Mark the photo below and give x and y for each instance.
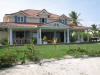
(20, 34)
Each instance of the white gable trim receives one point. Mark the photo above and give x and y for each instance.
(44, 12)
(55, 25)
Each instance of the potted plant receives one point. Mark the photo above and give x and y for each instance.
(44, 40)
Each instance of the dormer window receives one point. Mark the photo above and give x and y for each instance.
(20, 19)
(63, 21)
(43, 20)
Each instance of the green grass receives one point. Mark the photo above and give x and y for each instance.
(49, 51)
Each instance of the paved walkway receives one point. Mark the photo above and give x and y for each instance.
(74, 66)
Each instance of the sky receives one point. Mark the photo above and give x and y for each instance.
(89, 10)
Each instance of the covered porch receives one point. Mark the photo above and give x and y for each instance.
(23, 33)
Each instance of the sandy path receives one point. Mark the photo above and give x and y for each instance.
(80, 66)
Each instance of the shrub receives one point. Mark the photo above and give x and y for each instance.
(4, 42)
(32, 53)
(77, 52)
(74, 36)
(55, 42)
(35, 40)
(45, 39)
(7, 60)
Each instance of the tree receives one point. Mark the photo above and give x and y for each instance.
(94, 26)
(94, 30)
(75, 17)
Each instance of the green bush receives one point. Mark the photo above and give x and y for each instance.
(35, 40)
(4, 42)
(85, 36)
(74, 37)
(7, 60)
(45, 38)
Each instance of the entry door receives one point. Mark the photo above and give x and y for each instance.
(20, 34)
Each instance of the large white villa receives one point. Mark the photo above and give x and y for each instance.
(20, 27)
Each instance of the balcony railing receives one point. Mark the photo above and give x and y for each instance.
(21, 41)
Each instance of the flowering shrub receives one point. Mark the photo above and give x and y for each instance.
(7, 60)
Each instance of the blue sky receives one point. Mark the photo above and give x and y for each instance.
(89, 9)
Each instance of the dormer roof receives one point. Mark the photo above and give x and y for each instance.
(34, 13)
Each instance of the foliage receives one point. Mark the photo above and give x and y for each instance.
(55, 42)
(16, 53)
(4, 42)
(35, 40)
(33, 54)
(95, 31)
(7, 61)
(45, 39)
(74, 17)
(73, 38)
(85, 36)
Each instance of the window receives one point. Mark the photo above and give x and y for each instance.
(63, 21)
(20, 19)
(43, 20)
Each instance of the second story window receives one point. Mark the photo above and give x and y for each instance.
(43, 20)
(20, 19)
(63, 21)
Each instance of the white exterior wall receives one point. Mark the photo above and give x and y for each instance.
(3, 35)
(30, 19)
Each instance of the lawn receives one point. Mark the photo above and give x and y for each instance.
(50, 51)
(14, 54)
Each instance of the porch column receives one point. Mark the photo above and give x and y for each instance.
(87, 36)
(54, 34)
(11, 36)
(82, 37)
(68, 40)
(39, 40)
(40, 36)
(79, 36)
(64, 36)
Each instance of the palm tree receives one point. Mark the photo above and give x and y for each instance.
(74, 17)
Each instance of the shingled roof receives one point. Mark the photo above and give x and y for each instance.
(34, 13)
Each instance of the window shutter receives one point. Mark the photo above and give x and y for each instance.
(45, 20)
(14, 34)
(15, 18)
(60, 20)
(40, 20)
(27, 34)
(25, 19)
(65, 21)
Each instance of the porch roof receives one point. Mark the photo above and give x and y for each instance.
(12, 24)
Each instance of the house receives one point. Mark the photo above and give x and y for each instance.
(20, 27)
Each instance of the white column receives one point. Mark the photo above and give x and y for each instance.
(37, 36)
(68, 41)
(64, 36)
(82, 36)
(39, 40)
(87, 36)
(11, 37)
(40, 36)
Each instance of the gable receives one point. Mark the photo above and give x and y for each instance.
(43, 12)
(56, 25)
(63, 16)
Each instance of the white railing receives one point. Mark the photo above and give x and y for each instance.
(21, 41)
